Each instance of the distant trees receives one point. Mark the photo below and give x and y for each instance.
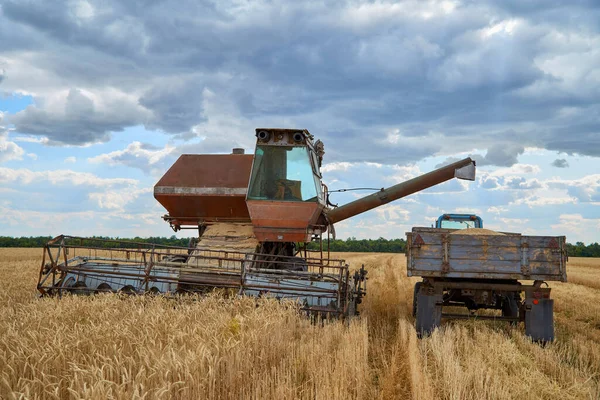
(351, 244)
(40, 241)
(579, 249)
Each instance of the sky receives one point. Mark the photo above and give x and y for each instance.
(99, 98)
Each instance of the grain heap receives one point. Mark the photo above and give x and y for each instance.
(238, 239)
(476, 231)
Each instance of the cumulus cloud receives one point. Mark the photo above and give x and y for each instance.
(585, 189)
(8, 150)
(61, 177)
(137, 155)
(117, 200)
(577, 226)
(522, 183)
(488, 182)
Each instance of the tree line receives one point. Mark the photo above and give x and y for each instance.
(352, 244)
(96, 241)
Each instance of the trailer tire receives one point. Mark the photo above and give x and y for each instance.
(415, 293)
(429, 313)
(510, 306)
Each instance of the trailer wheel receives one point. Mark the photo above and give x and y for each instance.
(415, 293)
(429, 313)
(539, 320)
(510, 306)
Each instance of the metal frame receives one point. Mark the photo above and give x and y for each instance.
(535, 309)
(81, 265)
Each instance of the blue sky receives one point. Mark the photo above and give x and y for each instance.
(99, 98)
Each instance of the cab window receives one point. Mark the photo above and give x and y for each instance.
(283, 173)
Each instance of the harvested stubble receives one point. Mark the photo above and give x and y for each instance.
(108, 346)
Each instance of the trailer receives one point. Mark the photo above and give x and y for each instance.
(472, 269)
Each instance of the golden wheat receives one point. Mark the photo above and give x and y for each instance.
(108, 346)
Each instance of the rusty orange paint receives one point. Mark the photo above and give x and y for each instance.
(207, 187)
(283, 221)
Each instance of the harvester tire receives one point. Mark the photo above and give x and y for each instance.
(128, 290)
(80, 288)
(178, 258)
(104, 288)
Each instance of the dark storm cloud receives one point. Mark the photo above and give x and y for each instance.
(560, 163)
(501, 155)
(78, 122)
(489, 76)
(170, 113)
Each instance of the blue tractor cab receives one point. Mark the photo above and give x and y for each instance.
(459, 221)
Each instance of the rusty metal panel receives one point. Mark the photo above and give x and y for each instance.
(437, 253)
(282, 221)
(206, 187)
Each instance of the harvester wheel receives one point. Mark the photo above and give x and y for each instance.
(80, 288)
(68, 284)
(178, 258)
(128, 290)
(104, 287)
(299, 264)
(154, 291)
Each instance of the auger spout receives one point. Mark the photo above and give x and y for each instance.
(464, 169)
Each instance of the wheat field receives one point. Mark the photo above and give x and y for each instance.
(118, 347)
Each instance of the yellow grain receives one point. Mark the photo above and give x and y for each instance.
(114, 347)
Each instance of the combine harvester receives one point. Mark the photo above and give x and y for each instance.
(254, 215)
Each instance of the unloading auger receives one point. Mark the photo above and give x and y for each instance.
(255, 216)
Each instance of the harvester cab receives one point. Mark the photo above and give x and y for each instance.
(285, 195)
(254, 214)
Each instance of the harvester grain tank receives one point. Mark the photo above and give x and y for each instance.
(254, 215)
